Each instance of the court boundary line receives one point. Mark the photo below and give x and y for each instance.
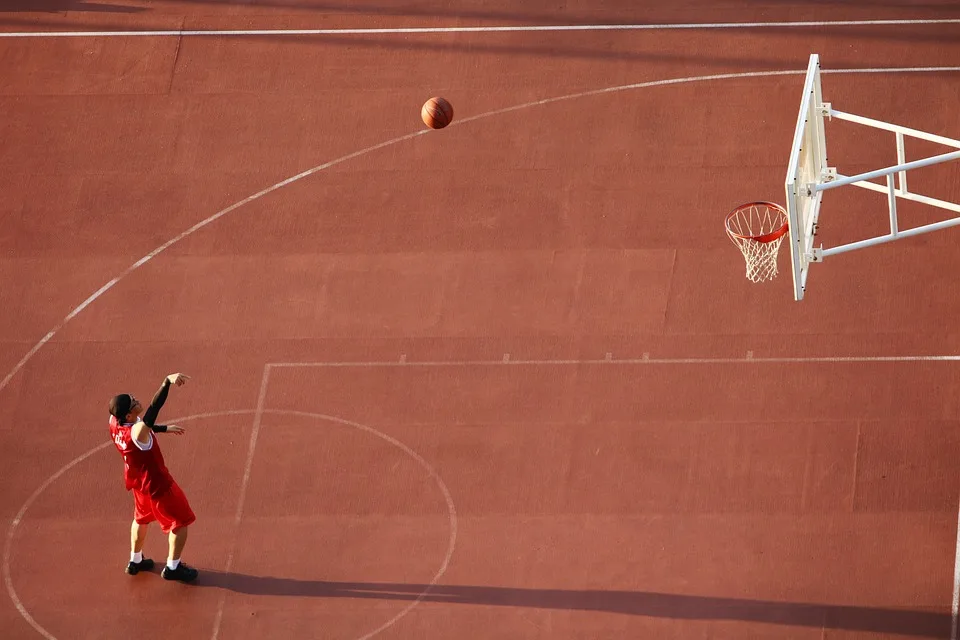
(645, 359)
(481, 29)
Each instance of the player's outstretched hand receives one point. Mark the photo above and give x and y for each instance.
(177, 378)
(175, 429)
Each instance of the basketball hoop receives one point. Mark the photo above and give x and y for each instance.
(757, 228)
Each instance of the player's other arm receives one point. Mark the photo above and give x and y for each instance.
(142, 429)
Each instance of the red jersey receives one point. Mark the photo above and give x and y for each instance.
(143, 469)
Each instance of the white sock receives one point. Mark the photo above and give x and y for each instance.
(173, 564)
(136, 557)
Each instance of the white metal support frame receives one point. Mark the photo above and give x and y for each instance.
(893, 191)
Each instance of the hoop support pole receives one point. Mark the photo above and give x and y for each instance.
(892, 202)
(901, 159)
(896, 128)
(944, 224)
(879, 173)
(915, 197)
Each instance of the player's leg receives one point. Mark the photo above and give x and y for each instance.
(175, 515)
(138, 534)
(142, 516)
(177, 541)
(176, 570)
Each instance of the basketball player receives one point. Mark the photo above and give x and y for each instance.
(156, 495)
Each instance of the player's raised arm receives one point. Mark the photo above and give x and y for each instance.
(153, 411)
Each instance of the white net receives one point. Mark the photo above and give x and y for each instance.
(758, 229)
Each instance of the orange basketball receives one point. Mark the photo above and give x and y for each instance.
(437, 113)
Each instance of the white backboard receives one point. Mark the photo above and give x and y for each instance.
(807, 166)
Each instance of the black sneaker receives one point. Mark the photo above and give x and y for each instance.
(183, 573)
(136, 567)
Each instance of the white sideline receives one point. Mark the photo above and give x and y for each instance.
(608, 359)
(487, 29)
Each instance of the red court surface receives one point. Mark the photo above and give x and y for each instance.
(503, 380)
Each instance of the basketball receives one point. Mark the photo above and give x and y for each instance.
(437, 113)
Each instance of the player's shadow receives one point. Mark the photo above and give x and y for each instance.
(908, 622)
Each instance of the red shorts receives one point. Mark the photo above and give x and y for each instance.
(170, 509)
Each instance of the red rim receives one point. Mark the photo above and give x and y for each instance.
(767, 237)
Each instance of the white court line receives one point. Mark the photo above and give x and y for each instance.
(244, 483)
(169, 243)
(448, 498)
(608, 360)
(8, 545)
(203, 223)
(434, 475)
(487, 29)
(509, 362)
(257, 421)
(690, 79)
(11, 532)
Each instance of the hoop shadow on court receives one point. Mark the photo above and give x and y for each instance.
(916, 623)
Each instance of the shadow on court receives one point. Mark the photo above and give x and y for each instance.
(58, 6)
(611, 12)
(917, 623)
